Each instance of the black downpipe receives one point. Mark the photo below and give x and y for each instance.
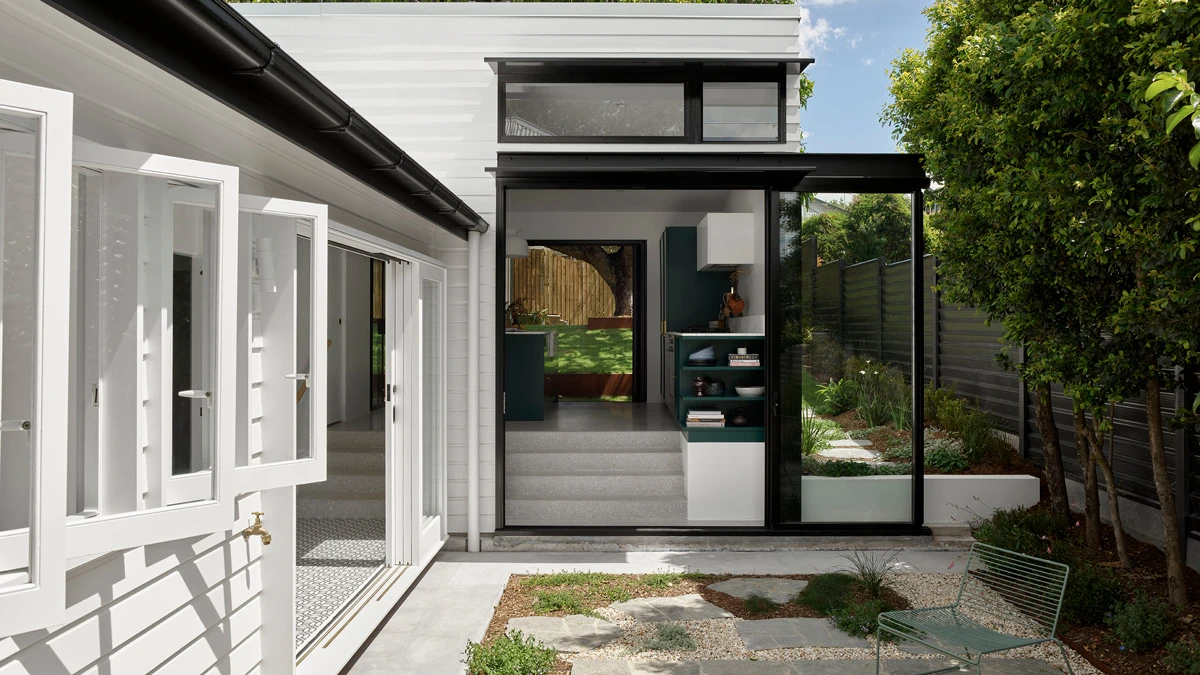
(215, 49)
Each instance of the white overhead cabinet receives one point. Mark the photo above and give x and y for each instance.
(35, 195)
(725, 241)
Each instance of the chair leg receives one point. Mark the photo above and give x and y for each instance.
(878, 645)
(1063, 650)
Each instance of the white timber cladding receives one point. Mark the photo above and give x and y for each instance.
(417, 72)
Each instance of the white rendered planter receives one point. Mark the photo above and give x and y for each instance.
(888, 499)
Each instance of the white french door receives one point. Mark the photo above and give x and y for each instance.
(397, 430)
(429, 457)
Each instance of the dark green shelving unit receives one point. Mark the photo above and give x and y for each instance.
(723, 344)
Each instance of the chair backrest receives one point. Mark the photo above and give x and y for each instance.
(1014, 588)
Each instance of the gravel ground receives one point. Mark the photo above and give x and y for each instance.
(718, 638)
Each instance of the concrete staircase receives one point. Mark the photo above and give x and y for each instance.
(354, 484)
(614, 478)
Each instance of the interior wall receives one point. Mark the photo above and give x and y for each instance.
(753, 287)
(357, 336)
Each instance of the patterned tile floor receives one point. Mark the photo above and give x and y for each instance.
(335, 557)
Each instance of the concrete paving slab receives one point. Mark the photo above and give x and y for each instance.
(779, 590)
(850, 443)
(575, 633)
(813, 667)
(849, 453)
(689, 607)
(800, 632)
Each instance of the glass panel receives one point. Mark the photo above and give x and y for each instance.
(143, 313)
(19, 198)
(845, 369)
(741, 111)
(378, 349)
(431, 398)
(278, 352)
(586, 109)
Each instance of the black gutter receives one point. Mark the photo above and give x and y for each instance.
(211, 46)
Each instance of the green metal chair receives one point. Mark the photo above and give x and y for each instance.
(1020, 593)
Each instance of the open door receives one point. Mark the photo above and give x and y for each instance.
(399, 551)
(429, 507)
(35, 210)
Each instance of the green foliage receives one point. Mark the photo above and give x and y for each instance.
(1092, 592)
(1176, 89)
(974, 426)
(1032, 532)
(838, 396)
(760, 604)
(663, 580)
(1183, 657)
(603, 350)
(945, 455)
(669, 637)
(860, 434)
(568, 601)
(898, 452)
(566, 579)
(841, 468)
(511, 654)
(827, 592)
(861, 618)
(870, 226)
(1142, 624)
(880, 389)
(816, 432)
(871, 570)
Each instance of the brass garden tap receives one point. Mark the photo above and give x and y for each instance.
(257, 530)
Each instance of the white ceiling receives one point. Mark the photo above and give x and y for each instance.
(617, 201)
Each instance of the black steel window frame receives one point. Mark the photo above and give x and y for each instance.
(692, 76)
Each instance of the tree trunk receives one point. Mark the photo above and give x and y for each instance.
(1056, 480)
(1096, 443)
(616, 269)
(1176, 586)
(1091, 490)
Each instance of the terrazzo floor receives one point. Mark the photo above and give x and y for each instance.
(335, 558)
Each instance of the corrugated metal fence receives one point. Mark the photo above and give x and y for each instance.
(865, 309)
(564, 286)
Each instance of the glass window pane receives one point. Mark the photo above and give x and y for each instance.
(144, 319)
(19, 254)
(431, 398)
(741, 111)
(586, 109)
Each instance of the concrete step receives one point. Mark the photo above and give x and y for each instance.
(611, 511)
(594, 483)
(341, 505)
(578, 440)
(340, 479)
(593, 459)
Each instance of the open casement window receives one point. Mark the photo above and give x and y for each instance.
(35, 197)
(282, 348)
(153, 383)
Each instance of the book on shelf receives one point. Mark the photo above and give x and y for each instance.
(743, 357)
(745, 364)
(705, 416)
(692, 424)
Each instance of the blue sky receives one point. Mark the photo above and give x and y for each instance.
(854, 42)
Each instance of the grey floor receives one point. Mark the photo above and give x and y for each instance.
(372, 421)
(335, 558)
(601, 416)
(453, 602)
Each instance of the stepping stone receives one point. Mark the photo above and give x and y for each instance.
(690, 607)
(574, 633)
(849, 453)
(779, 590)
(787, 633)
(850, 443)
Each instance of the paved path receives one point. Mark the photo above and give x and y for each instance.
(453, 602)
(821, 667)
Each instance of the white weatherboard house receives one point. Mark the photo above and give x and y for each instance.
(255, 262)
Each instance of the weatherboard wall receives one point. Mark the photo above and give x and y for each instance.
(417, 72)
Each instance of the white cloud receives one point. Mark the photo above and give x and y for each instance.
(816, 35)
(855, 40)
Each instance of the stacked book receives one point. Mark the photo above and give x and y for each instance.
(746, 360)
(705, 418)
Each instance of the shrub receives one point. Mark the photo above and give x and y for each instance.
(827, 592)
(838, 396)
(976, 431)
(877, 389)
(670, 637)
(871, 570)
(897, 469)
(859, 434)
(1092, 592)
(1025, 531)
(760, 604)
(1183, 657)
(897, 452)
(840, 468)
(554, 601)
(860, 618)
(945, 455)
(823, 355)
(900, 413)
(661, 580)
(1142, 624)
(511, 654)
(814, 435)
(936, 400)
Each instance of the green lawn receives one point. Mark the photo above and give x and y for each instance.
(604, 350)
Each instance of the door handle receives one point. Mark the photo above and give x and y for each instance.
(297, 376)
(15, 425)
(195, 393)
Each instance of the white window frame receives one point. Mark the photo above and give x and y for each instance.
(311, 469)
(429, 533)
(41, 600)
(102, 532)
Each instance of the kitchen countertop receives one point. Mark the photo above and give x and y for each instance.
(718, 336)
(541, 333)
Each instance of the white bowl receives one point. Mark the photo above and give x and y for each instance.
(749, 391)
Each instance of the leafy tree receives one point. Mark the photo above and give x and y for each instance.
(1064, 207)
(872, 226)
(614, 264)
